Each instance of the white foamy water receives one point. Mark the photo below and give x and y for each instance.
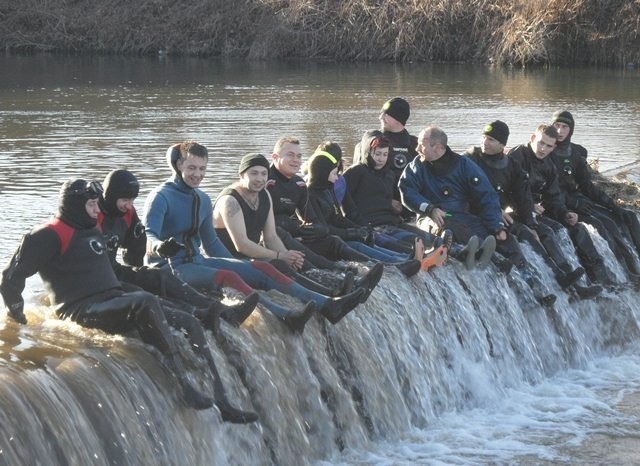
(546, 423)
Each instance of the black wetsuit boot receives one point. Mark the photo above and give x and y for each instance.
(193, 331)
(335, 309)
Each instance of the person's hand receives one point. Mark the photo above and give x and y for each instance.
(293, 258)
(310, 232)
(168, 248)
(396, 206)
(501, 235)
(508, 220)
(538, 209)
(571, 218)
(437, 215)
(16, 312)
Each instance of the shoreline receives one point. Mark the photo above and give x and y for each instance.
(519, 34)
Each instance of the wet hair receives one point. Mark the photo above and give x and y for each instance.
(284, 140)
(193, 148)
(547, 130)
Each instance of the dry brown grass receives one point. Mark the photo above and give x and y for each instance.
(515, 32)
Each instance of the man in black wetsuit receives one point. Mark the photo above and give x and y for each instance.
(71, 257)
(122, 229)
(549, 203)
(617, 225)
(297, 223)
(393, 117)
(511, 183)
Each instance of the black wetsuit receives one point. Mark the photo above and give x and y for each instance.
(511, 182)
(544, 188)
(614, 223)
(74, 263)
(75, 268)
(254, 220)
(290, 200)
(403, 151)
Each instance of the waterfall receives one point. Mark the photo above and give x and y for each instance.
(446, 341)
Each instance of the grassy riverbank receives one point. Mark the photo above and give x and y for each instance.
(517, 32)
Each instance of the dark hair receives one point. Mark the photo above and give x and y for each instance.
(379, 141)
(193, 148)
(547, 130)
(331, 147)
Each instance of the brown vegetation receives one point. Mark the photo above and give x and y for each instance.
(517, 32)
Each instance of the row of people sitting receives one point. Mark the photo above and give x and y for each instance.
(271, 229)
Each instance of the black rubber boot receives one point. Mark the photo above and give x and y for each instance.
(539, 290)
(296, 319)
(193, 397)
(503, 264)
(238, 313)
(409, 268)
(566, 279)
(587, 292)
(235, 415)
(369, 281)
(335, 309)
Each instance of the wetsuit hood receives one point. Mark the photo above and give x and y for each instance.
(72, 203)
(365, 150)
(319, 170)
(365, 146)
(118, 184)
(173, 155)
(564, 116)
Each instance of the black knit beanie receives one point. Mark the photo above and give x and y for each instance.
(498, 130)
(118, 184)
(397, 108)
(252, 160)
(72, 200)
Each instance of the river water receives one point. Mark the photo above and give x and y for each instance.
(537, 394)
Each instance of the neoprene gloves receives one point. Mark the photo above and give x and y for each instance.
(168, 248)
